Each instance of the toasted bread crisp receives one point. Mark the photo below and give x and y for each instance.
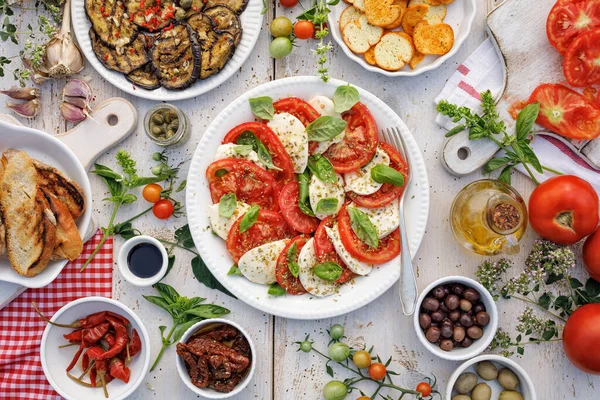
(359, 36)
(433, 39)
(396, 24)
(360, 4)
(350, 14)
(435, 2)
(382, 12)
(412, 16)
(393, 51)
(446, 1)
(416, 59)
(438, 12)
(370, 56)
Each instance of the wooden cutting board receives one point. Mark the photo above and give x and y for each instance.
(110, 123)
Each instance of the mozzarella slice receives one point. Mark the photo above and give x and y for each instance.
(227, 150)
(318, 190)
(312, 283)
(385, 219)
(292, 134)
(360, 182)
(222, 225)
(324, 105)
(259, 263)
(358, 267)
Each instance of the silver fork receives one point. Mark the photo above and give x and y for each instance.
(408, 281)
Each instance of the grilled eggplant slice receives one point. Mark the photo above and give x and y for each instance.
(205, 30)
(110, 21)
(215, 59)
(175, 57)
(150, 16)
(238, 6)
(144, 77)
(191, 7)
(124, 59)
(225, 20)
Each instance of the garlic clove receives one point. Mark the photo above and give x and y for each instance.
(72, 113)
(22, 93)
(78, 102)
(28, 109)
(77, 88)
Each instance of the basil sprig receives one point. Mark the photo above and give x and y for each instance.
(250, 139)
(262, 107)
(249, 218)
(344, 98)
(383, 174)
(292, 260)
(234, 270)
(328, 271)
(227, 205)
(276, 290)
(322, 168)
(327, 206)
(303, 201)
(325, 128)
(363, 227)
(243, 149)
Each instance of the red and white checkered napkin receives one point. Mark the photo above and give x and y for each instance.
(21, 375)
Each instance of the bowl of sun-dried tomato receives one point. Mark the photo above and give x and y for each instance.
(216, 358)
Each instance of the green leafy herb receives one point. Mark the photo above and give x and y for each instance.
(303, 201)
(276, 290)
(221, 172)
(328, 271)
(344, 98)
(205, 277)
(292, 260)
(262, 107)
(248, 138)
(265, 8)
(322, 168)
(249, 219)
(227, 205)
(243, 149)
(383, 174)
(327, 206)
(234, 270)
(325, 128)
(363, 227)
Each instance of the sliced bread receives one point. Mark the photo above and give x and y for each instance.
(394, 50)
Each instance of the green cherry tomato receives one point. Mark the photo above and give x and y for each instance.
(306, 346)
(157, 156)
(157, 170)
(281, 26)
(335, 390)
(280, 47)
(339, 351)
(336, 331)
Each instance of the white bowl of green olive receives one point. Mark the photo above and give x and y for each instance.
(490, 377)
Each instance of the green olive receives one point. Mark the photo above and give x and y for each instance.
(481, 392)
(507, 379)
(465, 382)
(510, 395)
(461, 397)
(487, 370)
(157, 118)
(185, 4)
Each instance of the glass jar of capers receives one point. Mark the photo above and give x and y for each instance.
(166, 125)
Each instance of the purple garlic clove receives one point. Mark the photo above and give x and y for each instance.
(77, 88)
(72, 113)
(28, 109)
(22, 93)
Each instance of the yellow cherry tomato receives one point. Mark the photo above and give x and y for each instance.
(362, 359)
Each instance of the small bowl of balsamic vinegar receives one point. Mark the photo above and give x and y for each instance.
(143, 261)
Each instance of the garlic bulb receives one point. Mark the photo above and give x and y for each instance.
(28, 109)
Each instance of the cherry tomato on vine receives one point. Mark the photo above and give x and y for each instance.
(424, 388)
(152, 192)
(288, 3)
(362, 359)
(304, 30)
(163, 209)
(377, 371)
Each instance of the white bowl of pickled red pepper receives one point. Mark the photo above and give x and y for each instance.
(95, 348)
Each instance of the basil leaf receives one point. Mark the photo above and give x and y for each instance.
(322, 168)
(167, 292)
(328, 271)
(505, 174)
(183, 236)
(262, 107)
(292, 260)
(221, 172)
(383, 174)
(158, 301)
(456, 130)
(227, 205)
(208, 311)
(234, 270)
(530, 156)
(344, 98)
(303, 202)
(276, 290)
(363, 227)
(495, 163)
(249, 218)
(181, 186)
(181, 329)
(327, 206)
(243, 149)
(325, 128)
(526, 119)
(204, 276)
(249, 138)
(106, 172)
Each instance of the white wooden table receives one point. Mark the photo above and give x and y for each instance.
(283, 373)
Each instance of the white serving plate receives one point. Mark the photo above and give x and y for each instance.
(51, 151)
(460, 16)
(213, 249)
(55, 360)
(251, 20)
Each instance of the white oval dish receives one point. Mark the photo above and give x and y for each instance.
(478, 345)
(460, 16)
(207, 392)
(525, 387)
(124, 265)
(55, 360)
(213, 249)
(251, 20)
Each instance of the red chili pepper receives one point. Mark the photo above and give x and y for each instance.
(117, 34)
(168, 27)
(93, 376)
(74, 336)
(88, 322)
(110, 339)
(76, 356)
(123, 320)
(121, 338)
(95, 353)
(119, 370)
(142, 4)
(102, 9)
(136, 344)
(96, 333)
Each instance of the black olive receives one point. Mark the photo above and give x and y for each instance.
(454, 315)
(447, 331)
(459, 333)
(465, 305)
(471, 294)
(479, 307)
(443, 307)
(467, 342)
(433, 334)
(482, 318)
(475, 332)
(424, 320)
(466, 320)
(437, 316)
(458, 289)
(438, 292)
(430, 304)
(446, 345)
(452, 301)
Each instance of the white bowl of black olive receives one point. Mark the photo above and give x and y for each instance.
(456, 318)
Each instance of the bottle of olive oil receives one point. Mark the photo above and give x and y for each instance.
(489, 217)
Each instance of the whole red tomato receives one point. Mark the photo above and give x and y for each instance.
(591, 255)
(581, 337)
(564, 209)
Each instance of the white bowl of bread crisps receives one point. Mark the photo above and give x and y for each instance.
(44, 206)
(401, 37)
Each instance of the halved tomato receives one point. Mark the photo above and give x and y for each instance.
(301, 110)
(284, 276)
(280, 156)
(325, 251)
(566, 20)
(388, 249)
(582, 61)
(250, 183)
(288, 203)
(566, 112)
(359, 144)
(269, 227)
(387, 193)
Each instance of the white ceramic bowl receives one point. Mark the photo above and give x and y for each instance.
(210, 393)
(55, 360)
(478, 346)
(525, 387)
(124, 268)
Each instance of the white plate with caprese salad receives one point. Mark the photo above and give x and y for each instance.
(292, 198)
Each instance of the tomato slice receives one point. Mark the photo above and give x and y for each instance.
(269, 227)
(359, 144)
(566, 112)
(387, 193)
(582, 61)
(389, 246)
(568, 19)
(325, 251)
(301, 110)
(250, 183)
(284, 277)
(288, 203)
(280, 156)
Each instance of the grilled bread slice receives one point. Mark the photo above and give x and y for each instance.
(68, 192)
(68, 241)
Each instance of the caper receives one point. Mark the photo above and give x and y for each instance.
(510, 395)
(167, 116)
(174, 125)
(487, 370)
(170, 133)
(465, 382)
(508, 379)
(461, 397)
(180, 14)
(185, 4)
(481, 392)
(156, 130)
